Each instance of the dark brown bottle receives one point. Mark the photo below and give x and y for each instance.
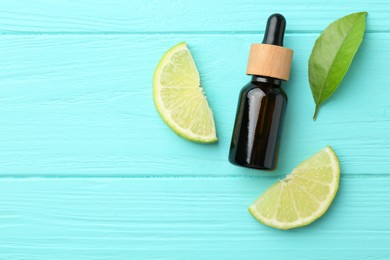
(262, 102)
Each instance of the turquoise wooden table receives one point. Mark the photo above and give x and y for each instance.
(89, 170)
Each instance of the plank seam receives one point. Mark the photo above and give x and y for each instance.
(276, 177)
(290, 32)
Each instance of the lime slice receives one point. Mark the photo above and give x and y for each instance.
(179, 98)
(303, 196)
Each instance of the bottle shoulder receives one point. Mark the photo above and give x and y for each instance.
(267, 89)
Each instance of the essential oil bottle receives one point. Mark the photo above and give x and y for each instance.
(262, 102)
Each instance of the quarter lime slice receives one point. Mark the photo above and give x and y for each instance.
(180, 99)
(303, 196)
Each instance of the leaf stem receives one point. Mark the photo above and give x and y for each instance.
(315, 113)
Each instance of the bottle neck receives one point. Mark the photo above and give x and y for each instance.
(268, 80)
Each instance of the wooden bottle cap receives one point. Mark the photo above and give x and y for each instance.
(270, 61)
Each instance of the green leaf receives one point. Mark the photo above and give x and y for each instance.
(332, 55)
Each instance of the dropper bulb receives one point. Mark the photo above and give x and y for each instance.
(274, 32)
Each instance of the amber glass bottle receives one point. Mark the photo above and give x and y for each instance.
(262, 102)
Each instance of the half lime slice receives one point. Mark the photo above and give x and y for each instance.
(303, 196)
(180, 99)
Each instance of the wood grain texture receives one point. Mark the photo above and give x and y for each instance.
(82, 106)
(76, 107)
(269, 60)
(185, 218)
(141, 16)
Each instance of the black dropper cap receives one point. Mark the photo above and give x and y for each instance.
(270, 58)
(274, 32)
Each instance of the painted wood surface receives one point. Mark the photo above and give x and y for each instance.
(82, 105)
(88, 170)
(182, 218)
(188, 16)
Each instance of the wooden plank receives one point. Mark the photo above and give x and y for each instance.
(182, 218)
(82, 105)
(180, 16)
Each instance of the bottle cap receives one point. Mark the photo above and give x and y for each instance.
(270, 58)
